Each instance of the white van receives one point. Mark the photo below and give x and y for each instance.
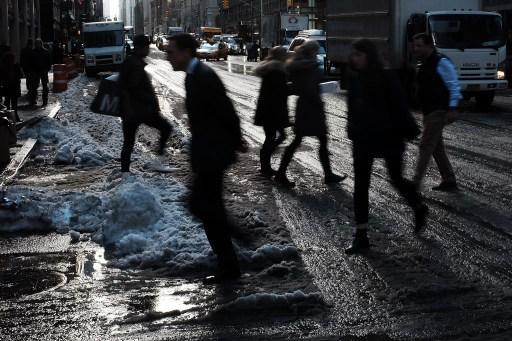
(104, 46)
(316, 35)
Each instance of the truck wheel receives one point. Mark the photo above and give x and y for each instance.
(467, 96)
(484, 99)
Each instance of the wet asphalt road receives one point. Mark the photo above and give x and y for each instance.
(454, 281)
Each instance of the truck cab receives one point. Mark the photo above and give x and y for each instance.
(104, 46)
(475, 43)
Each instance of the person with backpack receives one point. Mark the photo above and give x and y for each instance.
(272, 108)
(379, 123)
(139, 104)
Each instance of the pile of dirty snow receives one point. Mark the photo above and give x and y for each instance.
(73, 144)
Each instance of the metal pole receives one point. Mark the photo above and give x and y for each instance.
(261, 27)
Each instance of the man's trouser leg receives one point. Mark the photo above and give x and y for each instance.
(44, 83)
(129, 133)
(157, 121)
(34, 84)
(444, 165)
(433, 125)
(206, 203)
(363, 162)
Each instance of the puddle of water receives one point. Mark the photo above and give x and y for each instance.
(175, 298)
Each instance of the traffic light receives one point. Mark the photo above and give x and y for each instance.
(225, 4)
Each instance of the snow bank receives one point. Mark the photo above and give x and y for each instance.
(73, 144)
(295, 302)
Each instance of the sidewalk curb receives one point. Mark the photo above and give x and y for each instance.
(21, 156)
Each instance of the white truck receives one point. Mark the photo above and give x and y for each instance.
(104, 46)
(472, 39)
(281, 28)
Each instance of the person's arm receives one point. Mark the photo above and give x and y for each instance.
(447, 72)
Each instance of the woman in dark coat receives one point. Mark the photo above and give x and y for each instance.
(309, 116)
(378, 125)
(272, 108)
(11, 81)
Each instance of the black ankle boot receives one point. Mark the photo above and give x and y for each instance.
(359, 243)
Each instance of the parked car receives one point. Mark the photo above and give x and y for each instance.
(233, 45)
(162, 43)
(317, 35)
(215, 51)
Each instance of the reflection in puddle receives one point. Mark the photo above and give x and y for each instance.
(91, 265)
(176, 298)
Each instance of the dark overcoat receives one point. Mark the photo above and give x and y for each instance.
(305, 77)
(272, 108)
(214, 124)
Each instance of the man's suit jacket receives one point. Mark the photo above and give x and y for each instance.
(214, 124)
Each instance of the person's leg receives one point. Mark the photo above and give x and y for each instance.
(14, 105)
(280, 139)
(443, 163)
(44, 83)
(266, 151)
(433, 124)
(285, 161)
(129, 133)
(323, 152)
(209, 204)
(34, 86)
(394, 163)
(157, 121)
(363, 162)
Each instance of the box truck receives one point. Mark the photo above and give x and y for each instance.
(281, 28)
(474, 40)
(104, 46)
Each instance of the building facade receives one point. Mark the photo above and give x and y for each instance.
(19, 21)
(243, 16)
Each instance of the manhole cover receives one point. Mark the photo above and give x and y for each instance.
(28, 281)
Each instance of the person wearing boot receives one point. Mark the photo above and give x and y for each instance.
(139, 105)
(310, 119)
(378, 125)
(272, 108)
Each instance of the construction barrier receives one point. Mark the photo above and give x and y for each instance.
(60, 77)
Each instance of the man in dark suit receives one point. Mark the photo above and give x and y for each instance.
(216, 138)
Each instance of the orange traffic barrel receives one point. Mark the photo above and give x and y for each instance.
(60, 78)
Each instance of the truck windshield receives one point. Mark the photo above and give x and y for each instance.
(103, 39)
(467, 31)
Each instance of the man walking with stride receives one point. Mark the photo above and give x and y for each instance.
(439, 94)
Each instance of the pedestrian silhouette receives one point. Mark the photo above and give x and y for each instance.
(42, 65)
(27, 64)
(216, 138)
(139, 104)
(439, 95)
(272, 108)
(309, 116)
(378, 125)
(10, 79)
